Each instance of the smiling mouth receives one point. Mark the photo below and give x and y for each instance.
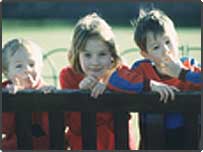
(96, 70)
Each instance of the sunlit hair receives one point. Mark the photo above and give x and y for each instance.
(15, 45)
(87, 27)
(154, 21)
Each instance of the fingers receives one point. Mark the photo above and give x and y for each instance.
(91, 82)
(166, 92)
(47, 89)
(11, 89)
(175, 89)
(98, 90)
(161, 95)
(88, 82)
(31, 79)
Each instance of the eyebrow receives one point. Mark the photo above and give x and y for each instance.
(98, 51)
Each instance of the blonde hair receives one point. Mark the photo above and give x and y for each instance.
(14, 45)
(88, 26)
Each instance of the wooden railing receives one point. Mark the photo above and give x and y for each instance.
(60, 101)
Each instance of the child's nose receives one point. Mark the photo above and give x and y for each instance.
(166, 49)
(27, 68)
(95, 60)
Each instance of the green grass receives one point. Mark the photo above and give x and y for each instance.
(51, 34)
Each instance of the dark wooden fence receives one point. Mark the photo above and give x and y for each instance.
(60, 101)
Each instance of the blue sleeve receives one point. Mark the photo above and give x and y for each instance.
(194, 77)
(122, 83)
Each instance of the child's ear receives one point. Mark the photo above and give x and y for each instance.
(144, 54)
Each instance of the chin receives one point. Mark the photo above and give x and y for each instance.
(97, 75)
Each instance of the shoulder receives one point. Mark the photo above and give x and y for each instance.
(69, 78)
(68, 71)
(141, 62)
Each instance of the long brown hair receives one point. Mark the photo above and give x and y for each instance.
(88, 26)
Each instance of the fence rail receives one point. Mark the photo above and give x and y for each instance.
(75, 100)
(26, 102)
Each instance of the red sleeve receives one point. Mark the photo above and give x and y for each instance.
(128, 80)
(63, 79)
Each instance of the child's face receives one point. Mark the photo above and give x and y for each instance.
(162, 46)
(96, 58)
(25, 67)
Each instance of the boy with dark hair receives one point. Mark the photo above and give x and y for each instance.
(156, 36)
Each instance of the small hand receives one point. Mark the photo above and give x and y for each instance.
(47, 89)
(171, 67)
(164, 90)
(88, 82)
(16, 85)
(98, 89)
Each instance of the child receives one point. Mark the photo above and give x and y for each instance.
(156, 37)
(22, 65)
(93, 57)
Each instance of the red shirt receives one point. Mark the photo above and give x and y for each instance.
(39, 128)
(69, 79)
(134, 81)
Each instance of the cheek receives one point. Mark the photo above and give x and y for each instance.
(157, 54)
(83, 63)
(37, 71)
(109, 63)
(12, 72)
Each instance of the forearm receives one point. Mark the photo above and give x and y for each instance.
(121, 84)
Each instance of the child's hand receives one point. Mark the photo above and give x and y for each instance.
(164, 90)
(16, 86)
(170, 67)
(98, 89)
(88, 82)
(47, 89)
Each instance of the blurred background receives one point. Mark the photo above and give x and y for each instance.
(50, 24)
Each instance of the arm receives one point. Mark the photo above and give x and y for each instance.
(188, 75)
(133, 81)
(186, 69)
(69, 79)
(127, 81)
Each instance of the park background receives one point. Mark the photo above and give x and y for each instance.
(50, 24)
